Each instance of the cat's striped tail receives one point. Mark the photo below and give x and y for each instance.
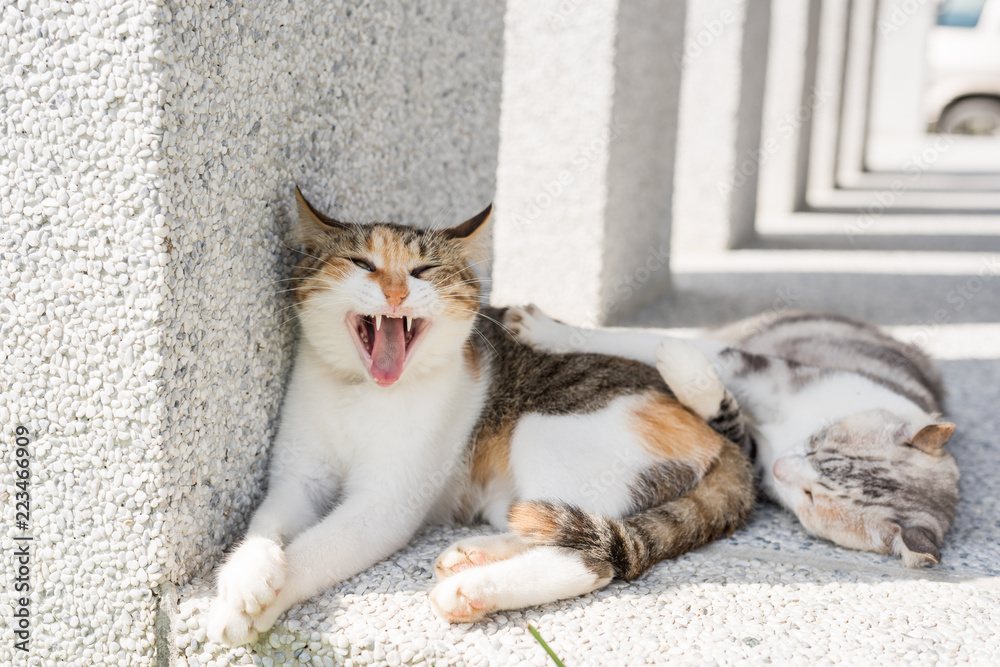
(718, 505)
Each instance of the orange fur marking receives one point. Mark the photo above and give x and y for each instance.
(393, 264)
(472, 360)
(491, 455)
(836, 520)
(532, 521)
(670, 431)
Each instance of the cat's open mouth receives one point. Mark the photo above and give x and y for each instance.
(385, 343)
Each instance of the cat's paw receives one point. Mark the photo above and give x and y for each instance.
(456, 559)
(230, 626)
(269, 616)
(252, 577)
(475, 552)
(691, 376)
(533, 327)
(458, 600)
(249, 583)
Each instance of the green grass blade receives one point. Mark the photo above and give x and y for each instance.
(538, 638)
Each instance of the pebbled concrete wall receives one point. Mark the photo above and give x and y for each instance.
(144, 339)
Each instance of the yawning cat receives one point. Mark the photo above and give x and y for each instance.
(846, 419)
(408, 404)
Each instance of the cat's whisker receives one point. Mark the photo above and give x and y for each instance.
(463, 268)
(302, 252)
(501, 325)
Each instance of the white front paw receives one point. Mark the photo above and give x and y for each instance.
(249, 583)
(690, 375)
(253, 575)
(533, 327)
(227, 625)
(459, 600)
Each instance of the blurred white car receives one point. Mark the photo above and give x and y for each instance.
(963, 68)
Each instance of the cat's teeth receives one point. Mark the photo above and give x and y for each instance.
(378, 322)
(409, 322)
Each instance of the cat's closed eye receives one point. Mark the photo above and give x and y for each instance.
(421, 269)
(808, 493)
(363, 264)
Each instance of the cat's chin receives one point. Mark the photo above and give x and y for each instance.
(385, 343)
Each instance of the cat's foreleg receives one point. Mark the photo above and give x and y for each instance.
(537, 576)
(379, 514)
(254, 572)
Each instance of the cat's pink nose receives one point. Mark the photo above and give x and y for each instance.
(395, 295)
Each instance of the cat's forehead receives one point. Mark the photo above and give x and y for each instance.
(870, 477)
(400, 243)
(390, 243)
(394, 247)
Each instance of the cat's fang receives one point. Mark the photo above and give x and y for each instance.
(409, 322)
(378, 322)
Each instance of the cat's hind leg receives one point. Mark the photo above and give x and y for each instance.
(693, 379)
(533, 327)
(537, 576)
(478, 551)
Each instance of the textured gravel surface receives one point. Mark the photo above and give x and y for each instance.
(769, 594)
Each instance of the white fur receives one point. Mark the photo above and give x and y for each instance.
(586, 460)
(388, 454)
(390, 451)
(536, 576)
(691, 376)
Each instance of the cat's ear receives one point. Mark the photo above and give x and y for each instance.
(915, 545)
(472, 227)
(931, 439)
(312, 222)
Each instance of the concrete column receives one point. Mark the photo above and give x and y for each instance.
(791, 100)
(150, 149)
(718, 148)
(586, 155)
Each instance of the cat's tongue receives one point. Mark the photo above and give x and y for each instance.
(389, 351)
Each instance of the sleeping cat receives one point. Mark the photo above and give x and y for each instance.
(845, 419)
(407, 404)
